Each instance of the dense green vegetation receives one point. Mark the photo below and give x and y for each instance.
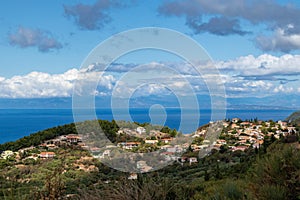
(294, 118)
(109, 128)
(37, 138)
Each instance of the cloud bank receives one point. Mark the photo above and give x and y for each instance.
(246, 76)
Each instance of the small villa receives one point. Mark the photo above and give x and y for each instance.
(7, 154)
(140, 130)
(47, 155)
(73, 138)
(166, 140)
(193, 160)
(151, 141)
(129, 145)
(240, 148)
(133, 176)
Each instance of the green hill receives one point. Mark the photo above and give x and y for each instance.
(294, 118)
(268, 172)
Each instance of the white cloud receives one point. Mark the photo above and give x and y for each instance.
(39, 84)
(283, 89)
(258, 84)
(262, 75)
(263, 65)
(280, 41)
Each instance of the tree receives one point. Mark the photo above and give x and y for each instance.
(173, 133)
(218, 173)
(165, 129)
(223, 148)
(198, 140)
(206, 175)
(54, 185)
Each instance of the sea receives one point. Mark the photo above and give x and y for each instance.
(17, 123)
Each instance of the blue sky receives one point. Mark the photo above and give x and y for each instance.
(255, 44)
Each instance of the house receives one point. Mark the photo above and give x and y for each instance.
(26, 149)
(165, 147)
(7, 154)
(240, 148)
(72, 138)
(167, 153)
(242, 141)
(169, 156)
(183, 159)
(106, 153)
(133, 176)
(95, 149)
(195, 147)
(243, 137)
(51, 146)
(34, 157)
(43, 145)
(171, 149)
(235, 126)
(245, 124)
(206, 141)
(159, 134)
(140, 130)
(217, 146)
(81, 144)
(142, 166)
(151, 141)
(199, 133)
(47, 155)
(146, 169)
(219, 141)
(291, 130)
(193, 160)
(166, 140)
(225, 124)
(129, 145)
(282, 124)
(235, 120)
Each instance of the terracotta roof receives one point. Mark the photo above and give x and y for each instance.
(73, 137)
(47, 153)
(131, 143)
(167, 139)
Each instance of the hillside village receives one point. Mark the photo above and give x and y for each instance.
(59, 163)
(236, 135)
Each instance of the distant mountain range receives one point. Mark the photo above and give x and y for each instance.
(271, 102)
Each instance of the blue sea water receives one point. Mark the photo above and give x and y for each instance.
(17, 123)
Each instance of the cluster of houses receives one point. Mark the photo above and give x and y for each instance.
(46, 149)
(246, 134)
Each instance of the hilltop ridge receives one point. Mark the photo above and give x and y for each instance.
(294, 118)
